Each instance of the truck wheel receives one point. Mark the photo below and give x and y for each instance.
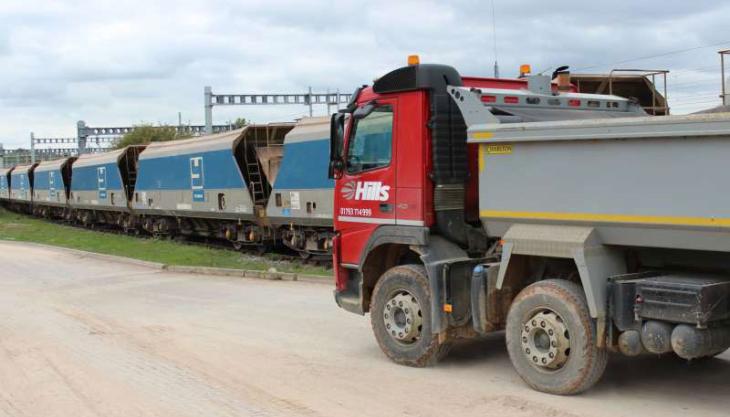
(400, 315)
(551, 338)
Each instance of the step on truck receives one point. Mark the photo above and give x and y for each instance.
(574, 222)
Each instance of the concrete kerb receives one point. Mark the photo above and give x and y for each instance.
(94, 255)
(249, 273)
(202, 270)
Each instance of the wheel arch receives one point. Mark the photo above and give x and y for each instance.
(434, 252)
(524, 245)
(378, 260)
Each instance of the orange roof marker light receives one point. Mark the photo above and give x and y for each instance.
(525, 69)
(413, 60)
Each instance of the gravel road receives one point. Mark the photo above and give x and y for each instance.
(89, 337)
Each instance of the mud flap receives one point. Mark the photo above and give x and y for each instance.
(437, 257)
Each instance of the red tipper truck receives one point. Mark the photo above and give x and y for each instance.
(469, 205)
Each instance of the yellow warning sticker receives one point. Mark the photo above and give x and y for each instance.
(499, 149)
(482, 135)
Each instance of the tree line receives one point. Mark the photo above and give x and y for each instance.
(145, 133)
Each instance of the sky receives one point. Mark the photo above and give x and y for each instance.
(126, 62)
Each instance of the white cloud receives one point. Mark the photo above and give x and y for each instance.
(122, 62)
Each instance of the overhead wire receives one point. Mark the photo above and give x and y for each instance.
(660, 55)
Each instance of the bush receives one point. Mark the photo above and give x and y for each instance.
(146, 133)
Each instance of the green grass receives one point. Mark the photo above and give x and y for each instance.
(18, 227)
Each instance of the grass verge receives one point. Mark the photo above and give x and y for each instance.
(18, 227)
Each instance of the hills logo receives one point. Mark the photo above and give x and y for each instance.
(365, 191)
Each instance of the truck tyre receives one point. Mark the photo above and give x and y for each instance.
(551, 338)
(400, 314)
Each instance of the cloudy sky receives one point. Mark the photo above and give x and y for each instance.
(122, 62)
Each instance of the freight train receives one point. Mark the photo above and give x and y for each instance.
(256, 187)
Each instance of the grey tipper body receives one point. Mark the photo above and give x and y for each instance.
(645, 181)
(585, 189)
(637, 188)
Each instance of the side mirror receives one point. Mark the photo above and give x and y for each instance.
(336, 168)
(365, 110)
(337, 140)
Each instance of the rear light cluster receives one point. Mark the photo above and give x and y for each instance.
(505, 99)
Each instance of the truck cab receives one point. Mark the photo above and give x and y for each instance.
(401, 164)
(406, 201)
(405, 173)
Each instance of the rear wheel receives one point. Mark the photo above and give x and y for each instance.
(551, 338)
(400, 315)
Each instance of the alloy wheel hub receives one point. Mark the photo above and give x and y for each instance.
(403, 318)
(545, 340)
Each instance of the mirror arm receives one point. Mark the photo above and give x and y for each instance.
(365, 110)
(336, 145)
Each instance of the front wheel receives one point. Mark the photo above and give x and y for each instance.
(400, 315)
(551, 338)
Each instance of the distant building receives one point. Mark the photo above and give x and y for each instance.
(635, 86)
(11, 157)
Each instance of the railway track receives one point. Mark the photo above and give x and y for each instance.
(274, 254)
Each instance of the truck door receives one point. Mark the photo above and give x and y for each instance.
(366, 191)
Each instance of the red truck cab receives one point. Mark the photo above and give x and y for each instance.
(391, 192)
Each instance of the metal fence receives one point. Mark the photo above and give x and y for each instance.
(89, 139)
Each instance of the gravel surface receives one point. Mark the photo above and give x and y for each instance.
(91, 337)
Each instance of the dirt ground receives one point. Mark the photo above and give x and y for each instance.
(85, 337)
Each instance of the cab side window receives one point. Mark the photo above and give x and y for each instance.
(371, 145)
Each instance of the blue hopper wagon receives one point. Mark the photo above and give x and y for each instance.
(301, 207)
(101, 187)
(21, 188)
(5, 185)
(51, 188)
(213, 186)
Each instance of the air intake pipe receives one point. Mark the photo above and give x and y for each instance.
(450, 173)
